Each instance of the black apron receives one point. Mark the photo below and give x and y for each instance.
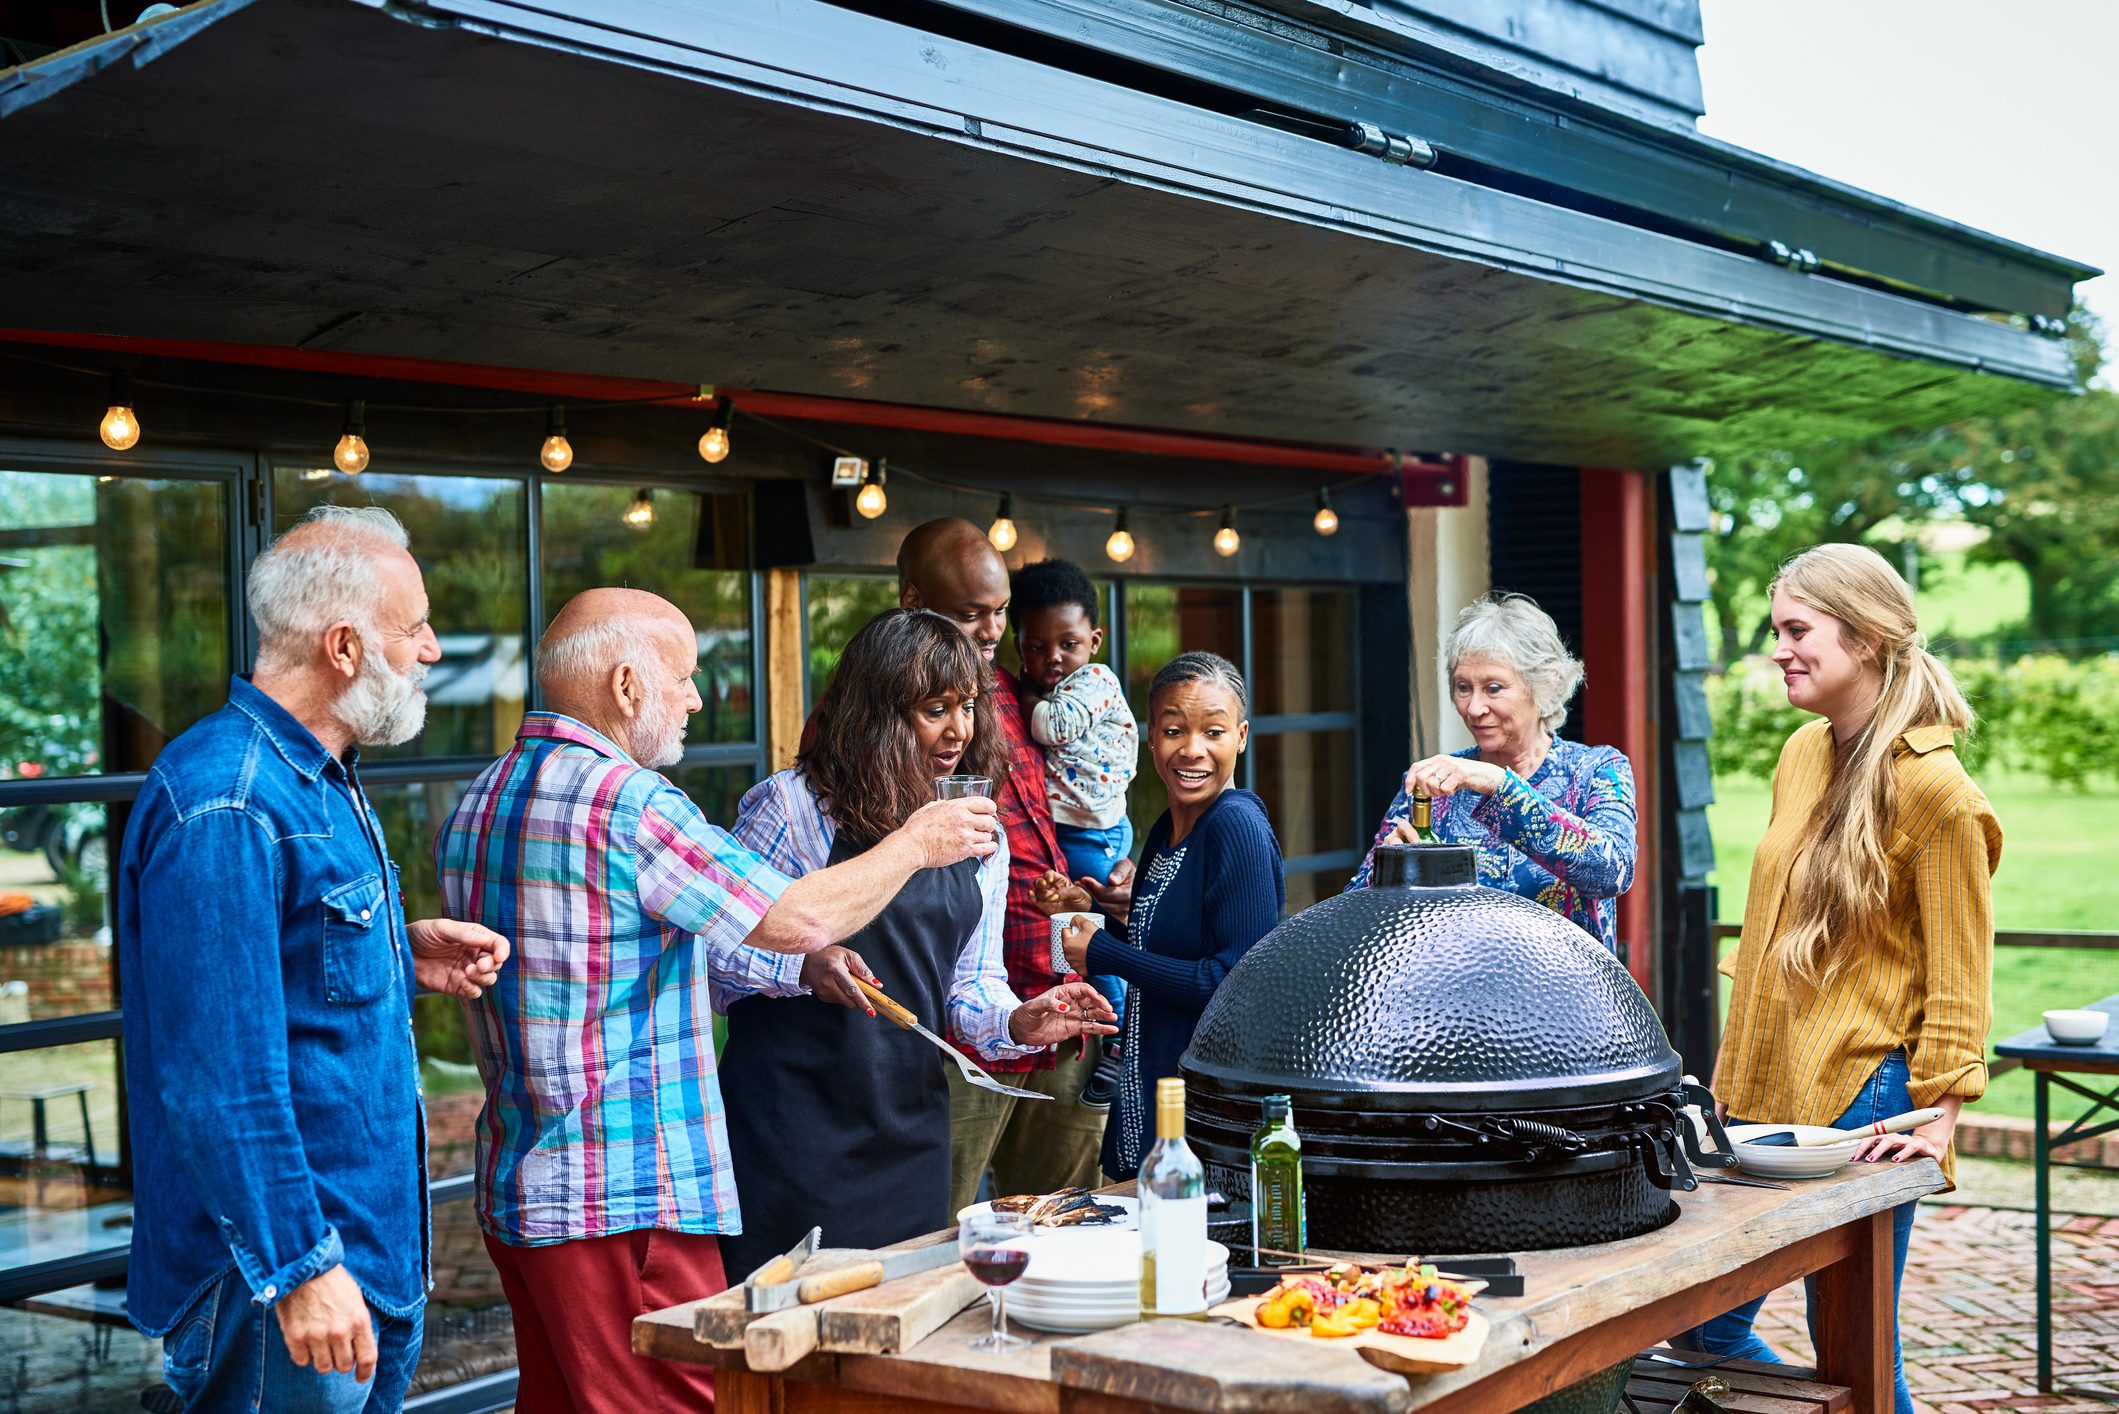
(839, 1118)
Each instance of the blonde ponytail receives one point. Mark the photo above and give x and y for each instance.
(1840, 889)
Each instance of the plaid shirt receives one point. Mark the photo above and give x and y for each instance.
(603, 1111)
(1026, 938)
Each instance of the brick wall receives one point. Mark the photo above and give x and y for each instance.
(2004, 1137)
(65, 979)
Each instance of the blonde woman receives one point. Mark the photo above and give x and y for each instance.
(1863, 980)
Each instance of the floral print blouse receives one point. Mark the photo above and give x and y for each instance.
(1564, 838)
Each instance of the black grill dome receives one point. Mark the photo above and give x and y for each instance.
(1428, 990)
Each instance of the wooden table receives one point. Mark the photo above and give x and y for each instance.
(1584, 1310)
(2045, 1057)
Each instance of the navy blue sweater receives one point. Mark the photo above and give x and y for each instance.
(1227, 894)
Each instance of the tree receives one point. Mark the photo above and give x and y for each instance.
(1770, 505)
(2045, 483)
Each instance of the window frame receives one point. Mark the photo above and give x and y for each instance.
(249, 505)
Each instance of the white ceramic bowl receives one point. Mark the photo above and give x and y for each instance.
(1789, 1161)
(2077, 1028)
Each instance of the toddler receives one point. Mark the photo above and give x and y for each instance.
(1079, 714)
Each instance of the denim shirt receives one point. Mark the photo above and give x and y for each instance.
(275, 1108)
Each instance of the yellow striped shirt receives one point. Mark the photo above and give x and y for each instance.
(1924, 984)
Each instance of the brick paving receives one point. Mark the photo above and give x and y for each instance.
(1968, 1313)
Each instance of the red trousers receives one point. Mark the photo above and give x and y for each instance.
(574, 1304)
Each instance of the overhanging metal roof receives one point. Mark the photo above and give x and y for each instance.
(788, 194)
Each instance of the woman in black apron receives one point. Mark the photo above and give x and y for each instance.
(835, 1116)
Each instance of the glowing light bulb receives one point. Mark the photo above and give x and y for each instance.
(1226, 541)
(1120, 546)
(871, 502)
(641, 513)
(120, 428)
(1002, 531)
(714, 446)
(557, 454)
(1326, 520)
(351, 453)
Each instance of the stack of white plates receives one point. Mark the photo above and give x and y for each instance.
(1081, 1281)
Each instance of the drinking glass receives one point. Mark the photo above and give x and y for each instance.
(981, 1240)
(961, 787)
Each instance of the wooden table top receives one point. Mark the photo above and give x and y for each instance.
(1200, 1365)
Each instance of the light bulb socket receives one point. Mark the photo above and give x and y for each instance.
(555, 420)
(1228, 518)
(878, 472)
(120, 389)
(1324, 498)
(725, 414)
(1007, 510)
(357, 418)
(1121, 526)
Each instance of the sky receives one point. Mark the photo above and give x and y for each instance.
(2000, 114)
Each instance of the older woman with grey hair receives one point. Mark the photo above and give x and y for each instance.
(1553, 819)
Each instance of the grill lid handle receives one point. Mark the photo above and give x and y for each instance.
(1424, 866)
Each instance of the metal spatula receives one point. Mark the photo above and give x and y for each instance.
(1896, 1124)
(969, 1069)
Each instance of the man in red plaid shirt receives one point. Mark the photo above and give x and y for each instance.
(948, 566)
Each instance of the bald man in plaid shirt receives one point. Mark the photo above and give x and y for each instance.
(603, 1172)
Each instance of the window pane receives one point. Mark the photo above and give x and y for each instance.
(839, 605)
(73, 1352)
(113, 618)
(55, 911)
(469, 1332)
(1302, 651)
(1163, 620)
(467, 534)
(694, 554)
(716, 790)
(1147, 798)
(1307, 782)
(62, 1188)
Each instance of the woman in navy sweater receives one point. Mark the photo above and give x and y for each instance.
(1209, 886)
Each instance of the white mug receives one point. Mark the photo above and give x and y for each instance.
(1059, 926)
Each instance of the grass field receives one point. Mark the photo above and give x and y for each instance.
(2056, 873)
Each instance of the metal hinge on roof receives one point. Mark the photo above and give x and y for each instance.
(1802, 262)
(1399, 149)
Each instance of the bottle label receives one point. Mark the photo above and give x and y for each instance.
(1179, 1242)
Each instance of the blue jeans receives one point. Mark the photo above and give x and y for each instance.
(226, 1354)
(1093, 854)
(1882, 1096)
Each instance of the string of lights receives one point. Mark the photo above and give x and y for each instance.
(120, 430)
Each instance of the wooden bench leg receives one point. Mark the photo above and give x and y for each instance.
(1856, 1314)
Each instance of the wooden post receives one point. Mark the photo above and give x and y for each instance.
(785, 659)
(1617, 577)
(1857, 1311)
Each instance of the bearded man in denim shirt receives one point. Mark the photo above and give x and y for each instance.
(280, 1235)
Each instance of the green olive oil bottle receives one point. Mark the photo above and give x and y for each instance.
(1279, 1223)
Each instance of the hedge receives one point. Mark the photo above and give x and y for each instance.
(2043, 713)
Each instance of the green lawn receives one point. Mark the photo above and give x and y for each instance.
(2055, 873)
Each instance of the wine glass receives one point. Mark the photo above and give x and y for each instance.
(962, 787)
(984, 1240)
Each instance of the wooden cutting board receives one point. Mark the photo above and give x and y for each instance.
(880, 1320)
(1400, 1354)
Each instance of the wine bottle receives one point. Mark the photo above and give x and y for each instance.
(1424, 819)
(1173, 1215)
(1279, 1224)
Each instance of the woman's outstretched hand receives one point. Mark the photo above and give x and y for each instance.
(1054, 892)
(1071, 1009)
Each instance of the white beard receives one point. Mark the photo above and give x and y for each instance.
(383, 707)
(658, 734)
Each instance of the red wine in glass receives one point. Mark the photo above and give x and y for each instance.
(996, 1266)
